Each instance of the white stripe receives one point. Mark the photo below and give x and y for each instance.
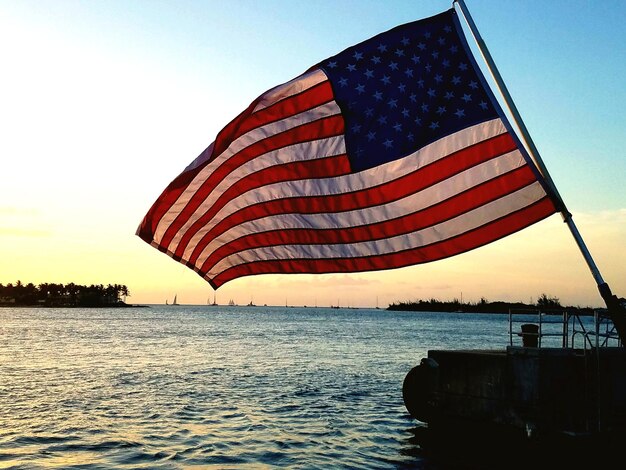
(370, 215)
(355, 181)
(292, 87)
(245, 140)
(313, 150)
(440, 232)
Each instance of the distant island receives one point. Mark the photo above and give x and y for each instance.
(63, 295)
(544, 302)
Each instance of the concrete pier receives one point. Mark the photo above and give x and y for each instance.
(569, 403)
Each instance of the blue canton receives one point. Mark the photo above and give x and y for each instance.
(404, 89)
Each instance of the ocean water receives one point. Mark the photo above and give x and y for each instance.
(225, 387)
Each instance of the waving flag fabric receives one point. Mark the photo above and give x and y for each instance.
(391, 153)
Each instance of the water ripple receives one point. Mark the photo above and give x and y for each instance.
(165, 388)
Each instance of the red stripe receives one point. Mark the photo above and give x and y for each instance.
(444, 249)
(327, 167)
(388, 192)
(164, 203)
(322, 128)
(244, 122)
(435, 214)
(309, 99)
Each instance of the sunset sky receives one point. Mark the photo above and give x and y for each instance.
(102, 104)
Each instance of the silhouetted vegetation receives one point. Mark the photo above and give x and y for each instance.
(60, 295)
(544, 302)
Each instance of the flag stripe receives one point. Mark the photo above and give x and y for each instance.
(325, 127)
(293, 87)
(373, 195)
(294, 90)
(482, 235)
(448, 229)
(260, 234)
(236, 226)
(318, 95)
(422, 157)
(240, 144)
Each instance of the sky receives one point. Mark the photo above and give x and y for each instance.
(102, 104)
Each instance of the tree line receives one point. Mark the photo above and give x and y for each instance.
(63, 295)
(544, 302)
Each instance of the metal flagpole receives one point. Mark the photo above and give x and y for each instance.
(612, 303)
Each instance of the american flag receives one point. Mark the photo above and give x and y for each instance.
(391, 153)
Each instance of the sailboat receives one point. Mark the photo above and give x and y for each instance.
(175, 302)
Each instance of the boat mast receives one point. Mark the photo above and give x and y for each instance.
(616, 312)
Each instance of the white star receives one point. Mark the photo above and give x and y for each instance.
(382, 48)
(388, 143)
(358, 55)
(385, 80)
(460, 113)
(369, 73)
(343, 81)
(434, 125)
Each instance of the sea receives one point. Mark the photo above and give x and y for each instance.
(173, 387)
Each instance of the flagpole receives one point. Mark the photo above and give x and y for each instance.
(611, 300)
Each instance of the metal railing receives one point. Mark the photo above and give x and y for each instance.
(550, 328)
